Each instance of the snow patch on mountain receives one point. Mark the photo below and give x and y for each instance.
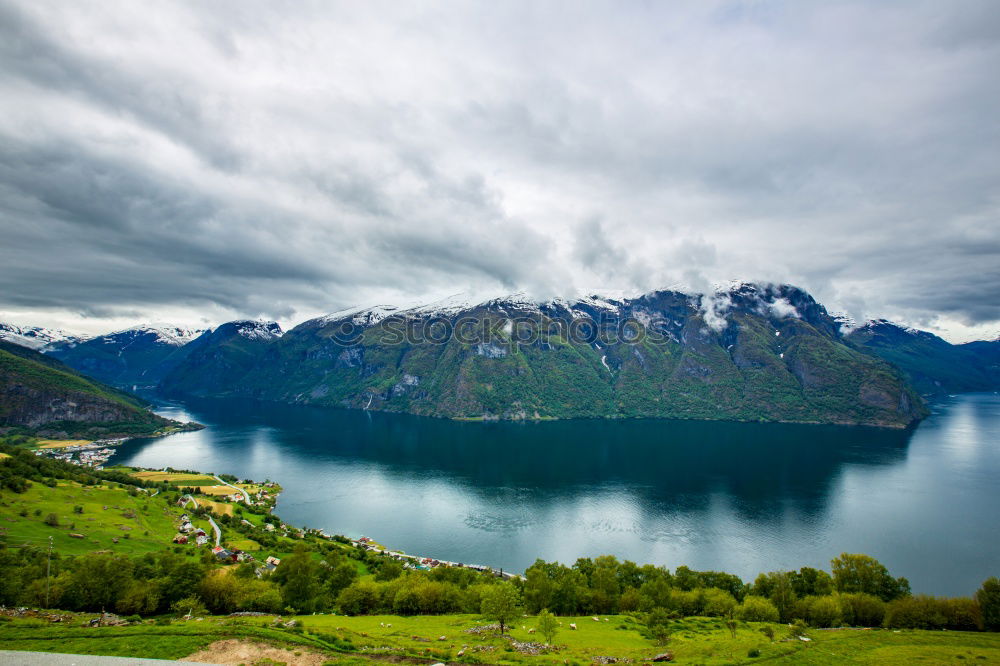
(258, 330)
(445, 307)
(360, 316)
(37, 337)
(175, 336)
(846, 322)
(767, 299)
(607, 304)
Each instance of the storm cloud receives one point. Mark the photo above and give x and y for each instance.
(205, 161)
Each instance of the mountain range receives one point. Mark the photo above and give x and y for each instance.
(36, 337)
(932, 364)
(138, 357)
(745, 352)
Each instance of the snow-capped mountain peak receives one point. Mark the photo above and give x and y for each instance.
(175, 336)
(37, 337)
(258, 330)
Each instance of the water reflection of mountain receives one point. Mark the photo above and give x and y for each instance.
(764, 468)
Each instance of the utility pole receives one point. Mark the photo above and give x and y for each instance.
(48, 572)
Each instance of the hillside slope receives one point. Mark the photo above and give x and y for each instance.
(219, 358)
(40, 392)
(752, 352)
(934, 365)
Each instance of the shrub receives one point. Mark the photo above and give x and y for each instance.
(963, 614)
(798, 628)
(861, 610)
(718, 603)
(824, 612)
(192, 605)
(358, 598)
(918, 612)
(688, 603)
(753, 653)
(757, 609)
(924, 612)
(52, 520)
(658, 625)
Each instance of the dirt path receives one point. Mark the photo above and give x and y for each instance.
(234, 651)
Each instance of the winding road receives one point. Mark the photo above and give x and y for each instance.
(246, 496)
(218, 532)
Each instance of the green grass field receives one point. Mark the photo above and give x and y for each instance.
(145, 640)
(174, 478)
(60, 443)
(693, 641)
(140, 523)
(351, 639)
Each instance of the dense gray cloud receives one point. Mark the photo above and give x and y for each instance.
(202, 161)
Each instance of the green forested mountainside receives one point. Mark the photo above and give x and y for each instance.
(933, 365)
(778, 356)
(40, 392)
(220, 358)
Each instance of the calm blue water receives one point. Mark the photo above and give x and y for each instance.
(743, 498)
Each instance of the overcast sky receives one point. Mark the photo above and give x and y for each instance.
(198, 162)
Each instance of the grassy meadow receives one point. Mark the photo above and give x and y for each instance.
(140, 523)
(60, 443)
(341, 639)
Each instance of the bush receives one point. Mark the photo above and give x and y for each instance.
(753, 653)
(359, 598)
(192, 605)
(824, 612)
(798, 628)
(757, 609)
(718, 603)
(52, 520)
(861, 610)
(924, 612)
(963, 614)
(658, 625)
(918, 612)
(688, 603)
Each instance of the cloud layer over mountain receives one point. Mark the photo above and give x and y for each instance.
(202, 161)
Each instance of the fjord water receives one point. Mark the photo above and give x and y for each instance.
(737, 497)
